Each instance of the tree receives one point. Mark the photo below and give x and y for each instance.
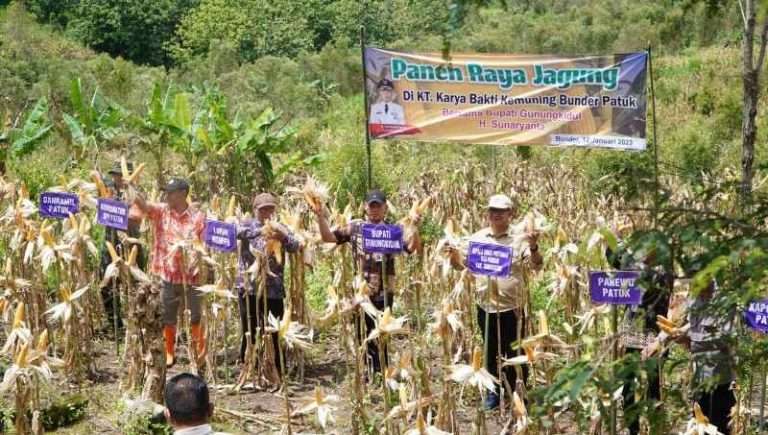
(387, 22)
(134, 29)
(256, 27)
(751, 86)
(56, 12)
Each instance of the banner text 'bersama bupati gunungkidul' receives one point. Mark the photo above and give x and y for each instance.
(583, 101)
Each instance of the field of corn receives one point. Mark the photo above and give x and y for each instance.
(56, 339)
(292, 124)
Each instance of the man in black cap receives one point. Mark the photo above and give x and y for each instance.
(385, 110)
(371, 266)
(109, 293)
(176, 225)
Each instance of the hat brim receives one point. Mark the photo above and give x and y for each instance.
(266, 204)
(380, 201)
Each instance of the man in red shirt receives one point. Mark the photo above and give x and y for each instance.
(176, 226)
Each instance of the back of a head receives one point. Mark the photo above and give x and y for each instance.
(187, 399)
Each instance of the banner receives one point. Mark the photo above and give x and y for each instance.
(615, 288)
(382, 238)
(584, 101)
(58, 205)
(112, 213)
(489, 259)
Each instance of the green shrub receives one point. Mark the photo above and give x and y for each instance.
(628, 174)
(694, 150)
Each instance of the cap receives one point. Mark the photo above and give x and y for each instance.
(501, 202)
(385, 83)
(375, 196)
(264, 200)
(117, 169)
(176, 184)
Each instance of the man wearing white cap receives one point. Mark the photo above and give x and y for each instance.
(505, 303)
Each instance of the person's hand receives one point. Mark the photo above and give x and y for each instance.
(317, 208)
(416, 218)
(279, 233)
(533, 241)
(453, 254)
(650, 350)
(683, 340)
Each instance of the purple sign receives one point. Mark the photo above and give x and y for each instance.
(112, 213)
(58, 205)
(382, 238)
(221, 236)
(756, 315)
(489, 259)
(615, 288)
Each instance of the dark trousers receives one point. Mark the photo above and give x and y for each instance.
(716, 405)
(253, 315)
(653, 394)
(508, 334)
(373, 346)
(110, 294)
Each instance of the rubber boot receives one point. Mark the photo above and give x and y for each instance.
(198, 340)
(169, 332)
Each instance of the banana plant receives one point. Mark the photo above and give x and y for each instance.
(261, 139)
(213, 142)
(162, 126)
(245, 149)
(95, 121)
(18, 142)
